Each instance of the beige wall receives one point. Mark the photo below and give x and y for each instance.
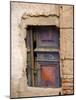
(66, 32)
(23, 14)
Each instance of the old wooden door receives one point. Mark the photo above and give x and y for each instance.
(43, 60)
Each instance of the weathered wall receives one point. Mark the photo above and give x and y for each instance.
(66, 32)
(23, 14)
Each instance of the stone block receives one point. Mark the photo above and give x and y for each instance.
(66, 43)
(66, 16)
(68, 67)
(67, 76)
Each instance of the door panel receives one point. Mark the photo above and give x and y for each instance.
(47, 38)
(49, 75)
(43, 56)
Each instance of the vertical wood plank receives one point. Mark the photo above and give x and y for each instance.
(32, 56)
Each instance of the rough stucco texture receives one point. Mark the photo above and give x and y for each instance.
(19, 13)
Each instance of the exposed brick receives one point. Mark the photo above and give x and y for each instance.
(67, 80)
(68, 92)
(67, 85)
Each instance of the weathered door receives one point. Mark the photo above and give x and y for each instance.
(43, 52)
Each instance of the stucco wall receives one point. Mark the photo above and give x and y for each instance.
(23, 14)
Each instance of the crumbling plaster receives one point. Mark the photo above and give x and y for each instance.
(32, 14)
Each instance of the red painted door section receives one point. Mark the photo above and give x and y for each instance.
(48, 74)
